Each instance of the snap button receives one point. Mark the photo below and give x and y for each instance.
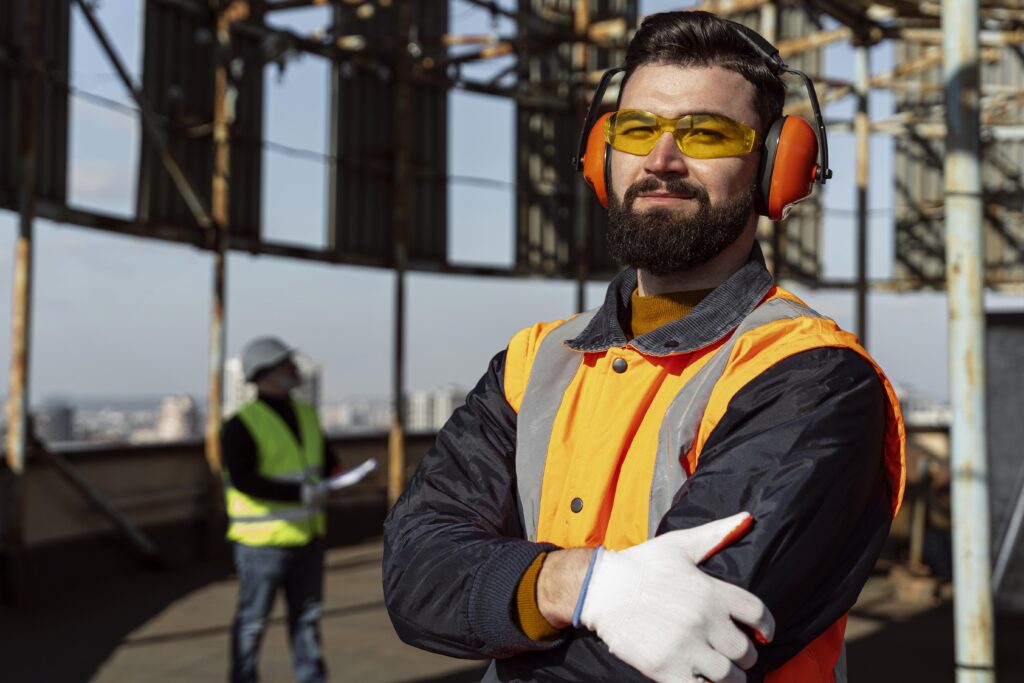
(619, 365)
(671, 344)
(576, 505)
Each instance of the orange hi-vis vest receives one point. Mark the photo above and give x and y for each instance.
(605, 439)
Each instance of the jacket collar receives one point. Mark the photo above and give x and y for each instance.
(714, 317)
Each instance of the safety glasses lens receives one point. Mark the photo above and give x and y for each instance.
(633, 131)
(699, 136)
(709, 137)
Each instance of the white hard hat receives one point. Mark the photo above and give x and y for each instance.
(262, 353)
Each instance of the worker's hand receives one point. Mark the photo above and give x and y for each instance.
(315, 494)
(662, 615)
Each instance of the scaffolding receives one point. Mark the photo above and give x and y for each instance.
(199, 180)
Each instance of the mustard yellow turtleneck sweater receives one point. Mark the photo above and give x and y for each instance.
(647, 313)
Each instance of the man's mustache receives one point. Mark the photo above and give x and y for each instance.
(672, 185)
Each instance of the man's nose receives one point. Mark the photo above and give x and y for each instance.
(666, 158)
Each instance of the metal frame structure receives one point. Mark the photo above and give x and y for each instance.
(404, 52)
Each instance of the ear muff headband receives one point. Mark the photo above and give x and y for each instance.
(592, 155)
(588, 122)
(771, 55)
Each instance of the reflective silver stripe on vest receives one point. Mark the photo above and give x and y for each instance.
(491, 675)
(685, 413)
(554, 366)
(295, 477)
(291, 514)
(840, 670)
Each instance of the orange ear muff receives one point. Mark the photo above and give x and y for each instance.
(595, 159)
(789, 166)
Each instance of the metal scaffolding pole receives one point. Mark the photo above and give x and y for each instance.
(972, 589)
(769, 29)
(861, 127)
(581, 195)
(12, 490)
(223, 115)
(396, 435)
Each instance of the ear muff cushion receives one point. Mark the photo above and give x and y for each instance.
(790, 166)
(764, 183)
(594, 154)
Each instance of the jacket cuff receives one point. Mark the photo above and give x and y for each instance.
(492, 600)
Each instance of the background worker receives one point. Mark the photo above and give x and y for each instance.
(275, 464)
(567, 519)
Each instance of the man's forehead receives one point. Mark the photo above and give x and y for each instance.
(671, 90)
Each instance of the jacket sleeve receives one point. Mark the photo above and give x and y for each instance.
(330, 460)
(800, 448)
(453, 544)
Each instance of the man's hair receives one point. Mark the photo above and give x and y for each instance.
(703, 39)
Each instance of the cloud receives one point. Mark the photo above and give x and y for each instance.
(94, 182)
(97, 118)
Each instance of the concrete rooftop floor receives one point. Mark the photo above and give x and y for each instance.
(164, 626)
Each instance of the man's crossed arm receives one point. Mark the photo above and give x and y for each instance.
(800, 448)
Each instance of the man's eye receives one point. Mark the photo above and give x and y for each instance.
(636, 131)
(707, 135)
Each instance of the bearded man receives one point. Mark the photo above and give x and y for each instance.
(691, 482)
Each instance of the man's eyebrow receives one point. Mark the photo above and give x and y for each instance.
(704, 113)
(718, 114)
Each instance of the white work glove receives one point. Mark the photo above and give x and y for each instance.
(662, 615)
(315, 494)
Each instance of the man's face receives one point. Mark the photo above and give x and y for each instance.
(669, 212)
(283, 377)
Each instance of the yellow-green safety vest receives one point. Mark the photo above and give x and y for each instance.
(281, 458)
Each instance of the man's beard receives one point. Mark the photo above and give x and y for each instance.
(659, 241)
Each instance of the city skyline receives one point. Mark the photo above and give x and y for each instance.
(180, 417)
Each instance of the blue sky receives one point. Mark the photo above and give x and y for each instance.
(124, 316)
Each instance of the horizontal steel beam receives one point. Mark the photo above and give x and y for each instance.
(191, 237)
(933, 36)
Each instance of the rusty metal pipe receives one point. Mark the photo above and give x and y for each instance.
(972, 591)
(223, 116)
(13, 489)
(581, 195)
(403, 176)
(860, 122)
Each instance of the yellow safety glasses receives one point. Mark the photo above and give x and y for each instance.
(698, 136)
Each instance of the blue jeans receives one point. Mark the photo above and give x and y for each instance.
(299, 570)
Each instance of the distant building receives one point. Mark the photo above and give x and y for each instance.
(309, 374)
(238, 392)
(922, 410)
(177, 419)
(54, 422)
(427, 411)
(419, 411)
(343, 416)
(446, 400)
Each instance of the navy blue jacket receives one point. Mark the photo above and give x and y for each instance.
(805, 437)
